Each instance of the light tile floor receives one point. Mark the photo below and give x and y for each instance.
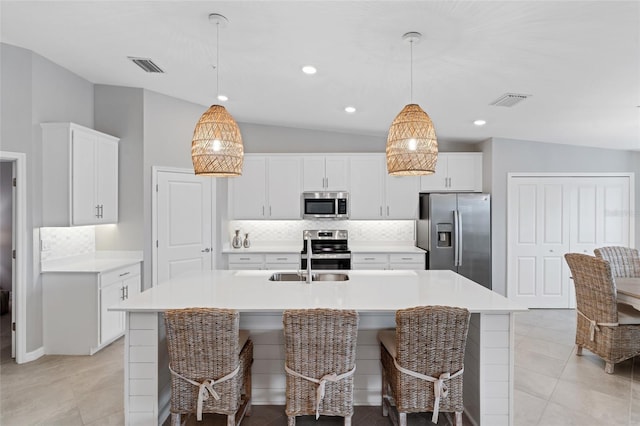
(553, 386)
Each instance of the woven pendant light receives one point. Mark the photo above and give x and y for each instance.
(216, 147)
(412, 146)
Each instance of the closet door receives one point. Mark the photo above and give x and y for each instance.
(538, 237)
(549, 216)
(600, 216)
(600, 207)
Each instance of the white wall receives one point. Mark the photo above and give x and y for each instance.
(506, 156)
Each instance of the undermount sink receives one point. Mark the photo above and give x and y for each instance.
(329, 276)
(320, 276)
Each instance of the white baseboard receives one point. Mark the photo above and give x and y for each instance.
(33, 355)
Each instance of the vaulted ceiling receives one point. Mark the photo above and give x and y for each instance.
(578, 61)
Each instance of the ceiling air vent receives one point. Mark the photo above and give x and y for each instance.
(509, 99)
(146, 64)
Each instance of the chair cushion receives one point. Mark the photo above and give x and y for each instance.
(388, 340)
(243, 336)
(627, 314)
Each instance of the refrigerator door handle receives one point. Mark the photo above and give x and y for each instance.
(459, 245)
(456, 244)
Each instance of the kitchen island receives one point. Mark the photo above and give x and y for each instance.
(376, 295)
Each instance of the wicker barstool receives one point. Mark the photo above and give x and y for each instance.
(423, 362)
(320, 359)
(210, 363)
(607, 328)
(624, 261)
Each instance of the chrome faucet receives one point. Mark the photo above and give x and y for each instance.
(309, 256)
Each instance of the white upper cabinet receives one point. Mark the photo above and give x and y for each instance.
(455, 171)
(366, 197)
(401, 196)
(80, 176)
(248, 192)
(269, 188)
(376, 195)
(284, 187)
(325, 173)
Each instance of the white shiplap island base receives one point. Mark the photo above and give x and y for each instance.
(376, 295)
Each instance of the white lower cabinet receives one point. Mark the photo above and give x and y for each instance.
(76, 318)
(409, 261)
(270, 261)
(282, 261)
(116, 286)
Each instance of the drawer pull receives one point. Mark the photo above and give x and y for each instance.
(125, 273)
(406, 258)
(369, 258)
(245, 258)
(281, 258)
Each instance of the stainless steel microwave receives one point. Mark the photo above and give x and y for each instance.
(325, 205)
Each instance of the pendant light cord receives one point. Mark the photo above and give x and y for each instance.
(411, 74)
(217, 59)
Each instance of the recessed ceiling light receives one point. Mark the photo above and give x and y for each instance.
(223, 98)
(350, 109)
(309, 69)
(480, 122)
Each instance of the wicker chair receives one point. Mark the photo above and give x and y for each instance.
(624, 261)
(423, 361)
(609, 329)
(210, 362)
(320, 359)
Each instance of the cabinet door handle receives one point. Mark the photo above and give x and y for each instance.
(380, 211)
(262, 210)
(124, 273)
(270, 211)
(387, 210)
(121, 293)
(207, 250)
(126, 290)
(97, 211)
(327, 179)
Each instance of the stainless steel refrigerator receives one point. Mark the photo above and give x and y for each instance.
(455, 230)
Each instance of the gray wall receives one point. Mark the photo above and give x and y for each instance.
(119, 111)
(511, 156)
(35, 90)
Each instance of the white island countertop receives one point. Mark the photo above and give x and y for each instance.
(374, 291)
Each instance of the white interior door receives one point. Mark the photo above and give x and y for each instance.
(184, 224)
(538, 238)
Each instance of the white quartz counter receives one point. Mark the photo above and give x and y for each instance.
(384, 248)
(374, 291)
(355, 247)
(97, 262)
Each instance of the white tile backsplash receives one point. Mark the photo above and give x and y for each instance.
(57, 243)
(274, 231)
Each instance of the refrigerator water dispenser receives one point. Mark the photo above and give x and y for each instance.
(444, 231)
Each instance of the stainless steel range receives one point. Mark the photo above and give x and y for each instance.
(329, 249)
